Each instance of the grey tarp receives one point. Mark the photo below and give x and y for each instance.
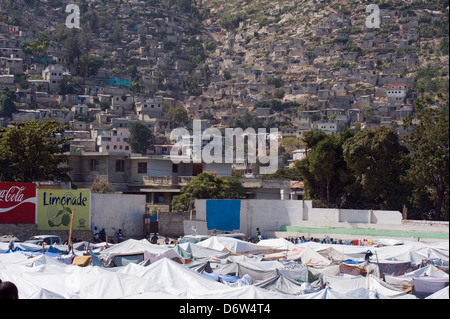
(257, 274)
(200, 267)
(394, 268)
(298, 273)
(425, 286)
(230, 269)
(280, 283)
(203, 253)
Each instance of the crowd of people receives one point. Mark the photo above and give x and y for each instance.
(325, 240)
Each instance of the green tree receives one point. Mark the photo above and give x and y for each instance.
(31, 151)
(73, 48)
(140, 138)
(319, 167)
(324, 169)
(279, 93)
(90, 64)
(208, 186)
(7, 104)
(428, 140)
(178, 114)
(378, 162)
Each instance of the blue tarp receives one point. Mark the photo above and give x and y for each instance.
(224, 215)
(95, 260)
(352, 262)
(48, 249)
(117, 82)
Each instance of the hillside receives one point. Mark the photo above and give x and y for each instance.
(297, 62)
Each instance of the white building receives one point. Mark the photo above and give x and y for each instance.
(54, 75)
(114, 141)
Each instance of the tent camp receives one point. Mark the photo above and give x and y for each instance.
(229, 268)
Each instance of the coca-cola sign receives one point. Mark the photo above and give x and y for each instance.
(18, 203)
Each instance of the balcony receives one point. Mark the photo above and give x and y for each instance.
(167, 181)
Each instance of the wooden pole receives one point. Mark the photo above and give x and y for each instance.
(378, 264)
(71, 227)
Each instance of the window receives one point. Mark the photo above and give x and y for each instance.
(93, 165)
(142, 168)
(120, 166)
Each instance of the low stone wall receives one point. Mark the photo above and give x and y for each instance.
(25, 231)
(172, 223)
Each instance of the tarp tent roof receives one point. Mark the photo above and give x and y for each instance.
(348, 283)
(330, 252)
(309, 256)
(259, 270)
(134, 247)
(231, 245)
(428, 270)
(280, 283)
(277, 243)
(440, 294)
(203, 253)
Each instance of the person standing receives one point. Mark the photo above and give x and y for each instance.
(258, 234)
(96, 234)
(103, 235)
(120, 236)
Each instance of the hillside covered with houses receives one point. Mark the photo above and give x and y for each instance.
(294, 65)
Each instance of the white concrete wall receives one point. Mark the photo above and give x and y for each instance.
(386, 217)
(323, 215)
(118, 211)
(270, 215)
(354, 216)
(159, 167)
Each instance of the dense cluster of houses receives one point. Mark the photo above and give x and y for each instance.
(332, 85)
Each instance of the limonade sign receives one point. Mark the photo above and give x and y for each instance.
(55, 209)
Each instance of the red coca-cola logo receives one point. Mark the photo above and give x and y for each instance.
(17, 202)
(13, 194)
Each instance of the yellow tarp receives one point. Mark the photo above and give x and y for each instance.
(82, 261)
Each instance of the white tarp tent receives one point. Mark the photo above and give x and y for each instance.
(231, 245)
(203, 253)
(441, 294)
(135, 247)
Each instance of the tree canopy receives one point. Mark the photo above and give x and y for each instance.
(378, 162)
(208, 186)
(428, 140)
(140, 138)
(31, 151)
(7, 104)
(324, 169)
